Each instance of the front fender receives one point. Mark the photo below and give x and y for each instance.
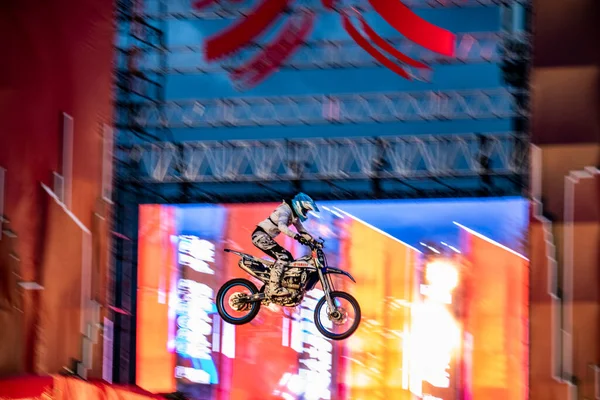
(337, 271)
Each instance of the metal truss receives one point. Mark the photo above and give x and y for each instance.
(235, 10)
(321, 109)
(332, 54)
(266, 193)
(401, 158)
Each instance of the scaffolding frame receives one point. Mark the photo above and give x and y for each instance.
(241, 9)
(476, 47)
(154, 168)
(136, 36)
(323, 109)
(411, 157)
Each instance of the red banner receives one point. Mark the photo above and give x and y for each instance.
(369, 48)
(415, 28)
(276, 53)
(225, 43)
(385, 46)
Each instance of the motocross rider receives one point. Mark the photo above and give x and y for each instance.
(290, 212)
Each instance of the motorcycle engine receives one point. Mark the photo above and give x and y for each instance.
(294, 278)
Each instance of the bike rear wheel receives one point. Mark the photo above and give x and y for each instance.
(231, 303)
(347, 310)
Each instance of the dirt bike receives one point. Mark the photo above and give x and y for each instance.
(299, 277)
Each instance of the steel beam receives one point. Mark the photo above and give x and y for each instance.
(346, 159)
(319, 109)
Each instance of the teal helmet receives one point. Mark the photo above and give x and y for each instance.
(302, 204)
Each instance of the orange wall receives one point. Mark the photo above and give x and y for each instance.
(545, 330)
(566, 127)
(581, 263)
(57, 58)
(59, 318)
(564, 332)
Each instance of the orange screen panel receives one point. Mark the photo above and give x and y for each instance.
(385, 268)
(155, 363)
(497, 318)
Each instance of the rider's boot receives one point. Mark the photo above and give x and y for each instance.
(275, 288)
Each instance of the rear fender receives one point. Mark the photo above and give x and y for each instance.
(258, 271)
(237, 253)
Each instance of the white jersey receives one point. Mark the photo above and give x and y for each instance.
(280, 220)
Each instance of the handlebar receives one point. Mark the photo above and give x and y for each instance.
(314, 244)
(317, 244)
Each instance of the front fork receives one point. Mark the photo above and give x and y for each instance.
(327, 290)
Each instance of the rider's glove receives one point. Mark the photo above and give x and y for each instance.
(302, 239)
(307, 237)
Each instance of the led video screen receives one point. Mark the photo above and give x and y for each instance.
(449, 327)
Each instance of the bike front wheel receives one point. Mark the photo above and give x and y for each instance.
(340, 323)
(232, 301)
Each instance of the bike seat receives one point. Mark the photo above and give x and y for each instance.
(269, 263)
(305, 258)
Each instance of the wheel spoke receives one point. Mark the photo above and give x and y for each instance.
(233, 304)
(340, 322)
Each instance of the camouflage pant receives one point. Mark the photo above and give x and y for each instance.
(269, 246)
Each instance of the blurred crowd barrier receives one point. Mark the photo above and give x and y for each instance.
(63, 388)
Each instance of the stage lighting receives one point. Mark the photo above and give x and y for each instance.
(434, 338)
(441, 275)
